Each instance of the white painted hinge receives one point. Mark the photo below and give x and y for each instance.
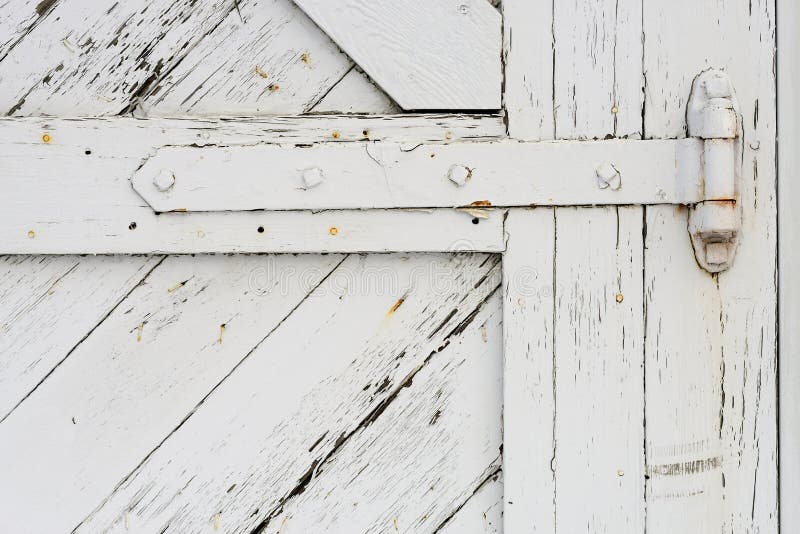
(714, 222)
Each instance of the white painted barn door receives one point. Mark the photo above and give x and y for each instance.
(497, 367)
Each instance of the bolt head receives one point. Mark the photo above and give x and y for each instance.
(718, 87)
(313, 177)
(608, 176)
(459, 174)
(164, 180)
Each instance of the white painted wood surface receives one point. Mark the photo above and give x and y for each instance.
(391, 175)
(599, 375)
(425, 55)
(356, 93)
(788, 245)
(176, 411)
(529, 408)
(683, 38)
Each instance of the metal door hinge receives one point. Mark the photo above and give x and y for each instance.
(714, 223)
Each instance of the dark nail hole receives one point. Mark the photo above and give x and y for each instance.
(475, 220)
(260, 229)
(88, 152)
(132, 226)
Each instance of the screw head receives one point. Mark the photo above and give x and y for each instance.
(164, 180)
(459, 174)
(313, 177)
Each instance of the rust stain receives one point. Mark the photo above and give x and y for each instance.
(305, 58)
(46, 138)
(274, 87)
(336, 134)
(620, 297)
(260, 72)
(221, 331)
(333, 230)
(481, 203)
(139, 332)
(177, 286)
(31, 234)
(396, 305)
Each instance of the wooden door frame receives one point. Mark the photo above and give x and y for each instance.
(788, 255)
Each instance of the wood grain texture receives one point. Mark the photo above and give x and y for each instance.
(599, 371)
(529, 396)
(681, 40)
(684, 373)
(389, 175)
(425, 55)
(265, 57)
(137, 376)
(356, 93)
(17, 17)
(597, 86)
(482, 513)
(528, 51)
(166, 58)
(37, 294)
(259, 441)
(420, 462)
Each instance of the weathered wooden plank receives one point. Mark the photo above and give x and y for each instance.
(17, 17)
(259, 439)
(265, 57)
(137, 376)
(437, 443)
(789, 258)
(599, 376)
(598, 77)
(356, 93)
(528, 48)
(683, 384)
(182, 57)
(104, 165)
(528, 378)
(425, 55)
(739, 37)
(389, 175)
(482, 513)
(37, 294)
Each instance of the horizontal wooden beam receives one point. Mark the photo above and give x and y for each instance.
(390, 175)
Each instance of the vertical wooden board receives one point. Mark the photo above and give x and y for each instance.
(265, 57)
(355, 93)
(425, 55)
(598, 68)
(421, 461)
(529, 63)
(330, 370)
(683, 38)
(599, 420)
(137, 376)
(529, 381)
(37, 293)
(683, 384)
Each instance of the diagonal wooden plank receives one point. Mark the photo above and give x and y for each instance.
(437, 443)
(355, 93)
(482, 513)
(183, 57)
(266, 57)
(36, 294)
(137, 376)
(599, 338)
(425, 55)
(330, 369)
(17, 17)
